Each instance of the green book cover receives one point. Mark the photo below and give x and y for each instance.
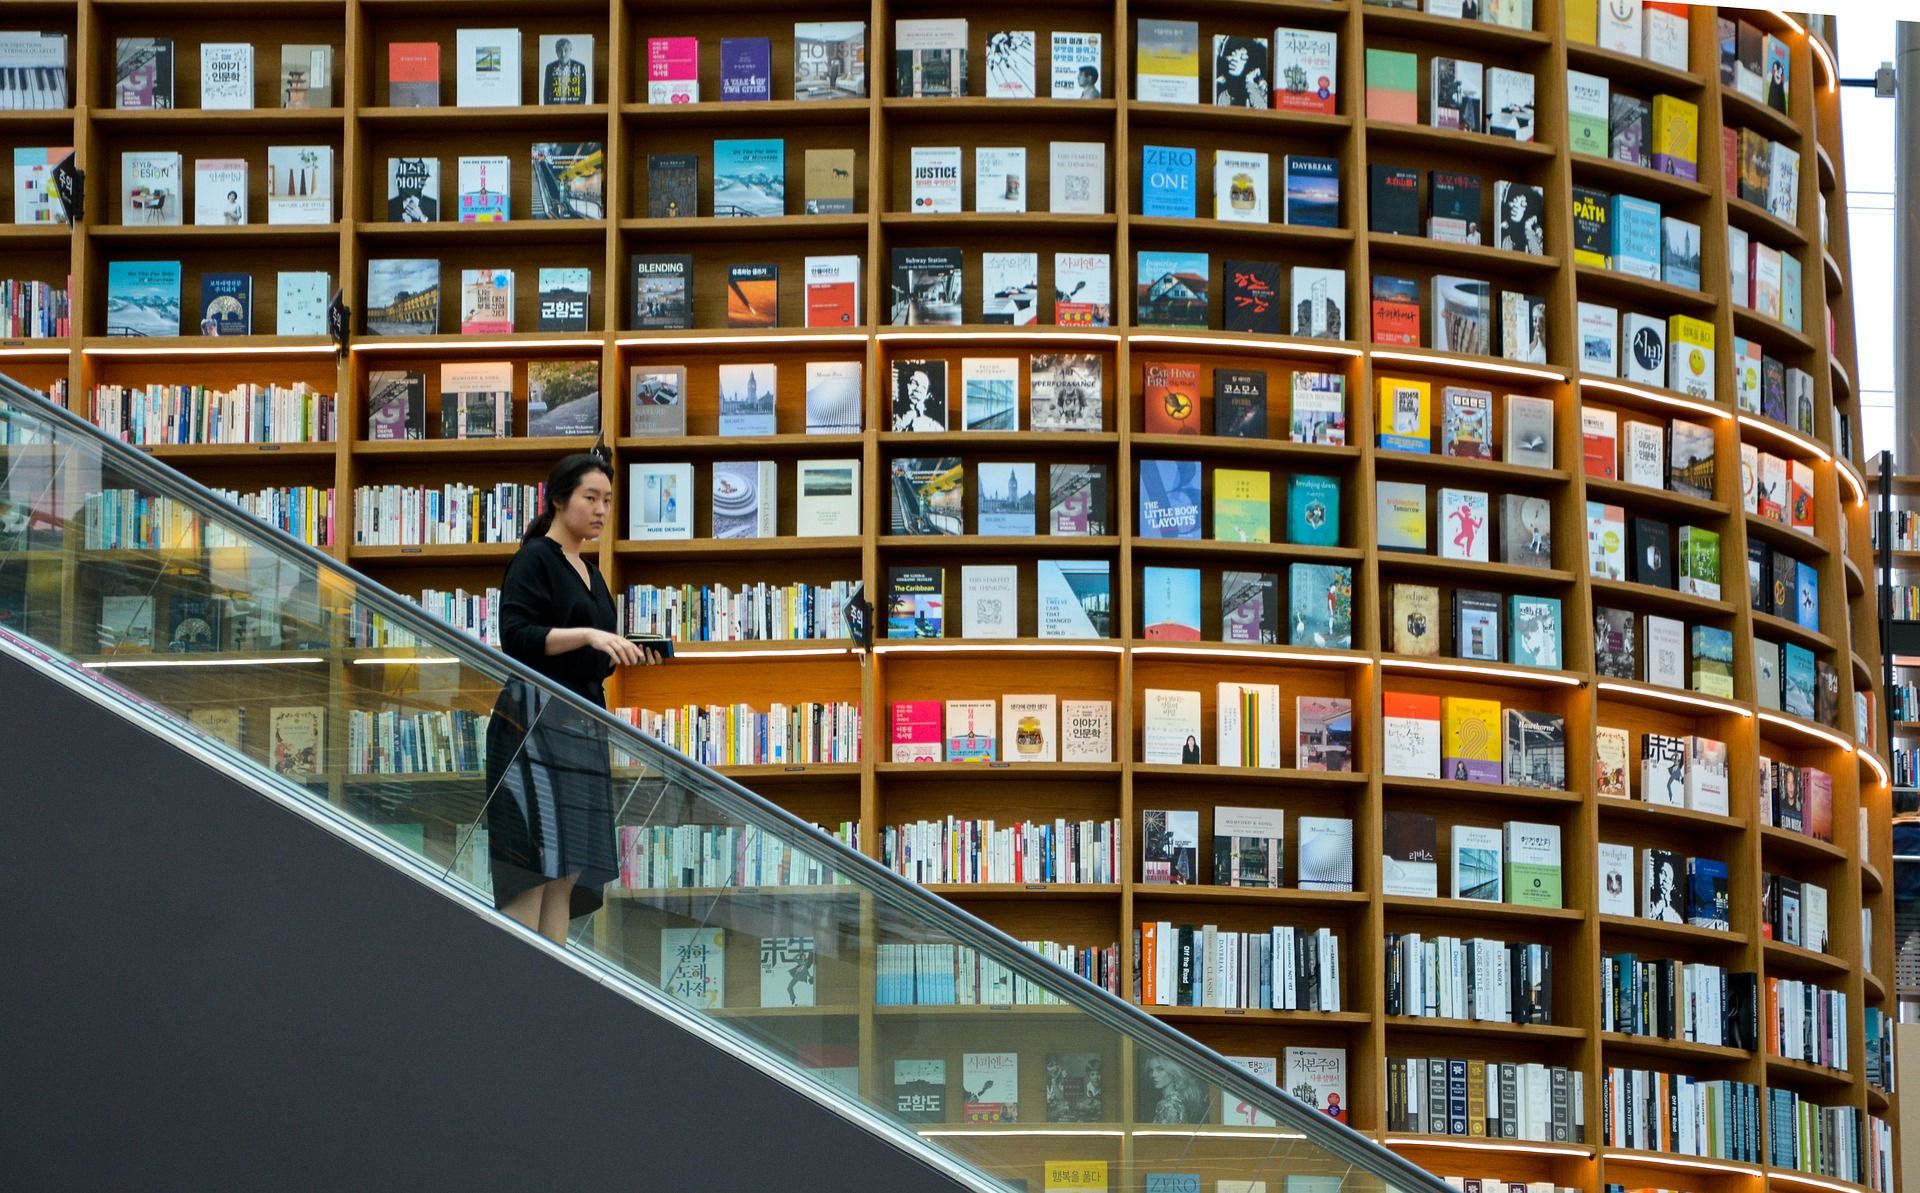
(1535, 629)
(1712, 661)
(1313, 510)
(1242, 506)
(1700, 562)
(1393, 86)
(1533, 864)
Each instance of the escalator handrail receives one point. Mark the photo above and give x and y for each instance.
(1342, 1141)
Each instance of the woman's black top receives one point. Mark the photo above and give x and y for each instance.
(542, 592)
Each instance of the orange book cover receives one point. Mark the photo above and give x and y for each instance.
(1171, 393)
(1149, 959)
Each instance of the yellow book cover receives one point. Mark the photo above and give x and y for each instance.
(1583, 21)
(1477, 1097)
(1676, 136)
(1690, 356)
(1406, 415)
(1400, 515)
(1079, 1176)
(1242, 506)
(1470, 731)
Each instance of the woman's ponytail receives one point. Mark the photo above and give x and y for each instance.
(561, 482)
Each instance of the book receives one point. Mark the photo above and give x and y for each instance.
(1476, 625)
(1471, 739)
(1083, 291)
(403, 296)
(1456, 100)
(1712, 653)
(1169, 499)
(1076, 66)
(972, 729)
(297, 735)
(413, 74)
(1651, 559)
(1535, 749)
(1663, 653)
(1064, 391)
(1320, 597)
(306, 76)
(563, 399)
(999, 179)
(36, 199)
(1477, 863)
(745, 499)
(1249, 607)
(988, 399)
(1318, 413)
(1242, 75)
(396, 404)
(568, 180)
(673, 185)
(989, 1086)
(1249, 847)
(143, 298)
(1325, 858)
(485, 190)
(1690, 356)
(1462, 315)
(753, 295)
(750, 178)
(657, 400)
(673, 70)
(1629, 137)
(1409, 857)
(935, 179)
(1305, 70)
(829, 60)
(1395, 309)
(1313, 507)
(1317, 300)
(916, 602)
(1707, 894)
(1077, 499)
(1077, 177)
(1243, 505)
(1170, 398)
(1086, 731)
(832, 291)
(1172, 289)
(476, 400)
(226, 304)
(486, 301)
(1393, 200)
(1323, 733)
(1006, 499)
(1706, 783)
(1466, 422)
(1170, 735)
(746, 69)
(1526, 530)
(1406, 418)
(919, 1086)
(1690, 459)
(919, 396)
(1519, 218)
(1588, 112)
(487, 68)
(1636, 236)
(1416, 626)
(1240, 403)
(152, 191)
(1599, 339)
(916, 731)
(1168, 181)
(1400, 515)
(1534, 623)
(1699, 559)
(660, 501)
(1680, 252)
(301, 305)
(1392, 80)
(829, 182)
(1462, 517)
(1617, 885)
(927, 286)
(563, 296)
(989, 601)
(1075, 598)
(1240, 187)
(1167, 61)
(1509, 104)
(566, 69)
(1532, 864)
(219, 192)
(1599, 434)
(1529, 431)
(927, 495)
(143, 73)
(1075, 1093)
(226, 76)
(789, 971)
(930, 58)
(1606, 541)
(1613, 643)
(1411, 735)
(828, 498)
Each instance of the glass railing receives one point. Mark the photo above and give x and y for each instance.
(935, 1029)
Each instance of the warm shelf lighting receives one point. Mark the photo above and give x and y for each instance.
(1055, 337)
(1201, 1133)
(1791, 23)
(1480, 366)
(168, 661)
(406, 661)
(1820, 55)
(1468, 1145)
(1707, 409)
(1009, 1131)
(32, 353)
(1878, 767)
(1853, 480)
(1668, 1161)
(1787, 1176)
(1826, 735)
(1282, 347)
(914, 647)
(414, 346)
(1517, 674)
(761, 652)
(1785, 436)
(1281, 656)
(672, 341)
(1670, 696)
(216, 350)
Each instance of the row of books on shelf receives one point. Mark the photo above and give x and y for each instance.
(1806, 1023)
(1248, 849)
(1629, 235)
(1797, 798)
(1877, 1033)
(1664, 651)
(1074, 601)
(693, 968)
(153, 190)
(1662, 134)
(1766, 280)
(1279, 969)
(307, 512)
(1477, 979)
(476, 613)
(156, 413)
(31, 310)
(1169, 186)
(1675, 353)
(1472, 1097)
(757, 612)
(1671, 888)
(1905, 767)
(1468, 739)
(1464, 428)
(144, 75)
(456, 512)
(1297, 72)
(1681, 1115)
(144, 299)
(1829, 1140)
(1796, 682)
(1904, 525)
(946, 975)
(1463, 317)
(1794, 911)
(963, 850)
(395, 741)
(1454, 211)
(807, 732)
(1462, 94)
(1761, 171)
(1675, 772)
(1673, 1000)
(130, 519)
(1903, 602)
(675, 856)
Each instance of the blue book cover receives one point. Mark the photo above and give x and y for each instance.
(1534, 623)
(1313, 191)
(750, 178)
(226, 304)
(143, 298)
(1806, 606)
(1636, 236)
(1320, 605)
(1168, 182)
(1313, 510)
(1006, 498)
(1796, 665)
(1172, 597)
(1712, 660)
(1680, 252)
(1171, 289)
(746, 69)
(1173, 1182)
(1707, 894)
(1169, 499)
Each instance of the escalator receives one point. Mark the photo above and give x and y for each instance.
(253, 937)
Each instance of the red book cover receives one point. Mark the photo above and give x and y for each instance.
(1730, 160)
(1172, 396)
(832, 304)
(413, 73)
(917, 730)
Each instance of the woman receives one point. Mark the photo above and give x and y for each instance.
(550, 806)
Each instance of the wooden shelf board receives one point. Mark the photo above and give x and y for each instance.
(1237, 775)
(787, 546)
(1469, 572)
(239, 453)
(1801, 543)
(943, 442)
(1836, 277)
(1447, 141)
(1856, 581)
(1875, 988)
(1208, 893)
(1666, 599)
(1258, 1015)
(1790, 959)
(1208, 446)
(1686, 819)
(1479, 258)
(1476, 909)
(1802, 1072)
(1542, 1033)
(1252, 121)
(1758, 221)
(1618, 492)
(781, 113)
(387, 238)
(1251, 653)
(961, 891)
(1870, 879)
(1273, 235)
(1684, 1165)
(555, 117)
(246, 121)
(971, 108)
(1219, 549)
(1594, 281)
(1610, 175)
(817, 891)
(1476, 793)
(996, 1009)
(1674, 934)
(706, 445)
(1408, 23)
(1770, 332)
(1742, 111)
(1800, 845)
(997, 544)
(1682, 1050)
(974, 772)
(510, 448)
(1797, 730)
(1773, 628)
(1632, 69)
(1000, 223)
(434, 554)
(1460, 469)
(258, 346)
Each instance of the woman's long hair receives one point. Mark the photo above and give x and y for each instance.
(561, 482)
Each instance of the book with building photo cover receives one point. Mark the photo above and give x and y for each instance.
(1065, 391)
(1009, 288)
(1323, 736)
(1317, 301)
(563, 398)
(396, 404)
(143, 73)
(1476, 624)
(1319, 408)
(476, 400)
(747, 395)
(926, 287)
(1325, 859)
(987, 393)
(1077, 499)
(1171, 289)
(1170, 840)
(829, 60)
(1082, 289)
(662, 291)
(927, 496)
(1477, 863)
(1006, 498)
(1534, 751)
(1457, 94)
(1074, 598)
(568, 180)
(930, 58)
(306, 76)
(1250, 607)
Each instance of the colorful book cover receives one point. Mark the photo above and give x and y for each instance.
(1171, 599)
(1170, 499)
(1242, 505)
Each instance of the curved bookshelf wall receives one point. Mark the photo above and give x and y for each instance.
(881, 129)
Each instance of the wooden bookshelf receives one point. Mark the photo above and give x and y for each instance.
(364, 130)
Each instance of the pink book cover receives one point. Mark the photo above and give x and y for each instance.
(673, 59)
(917, 730)
(1817, 792)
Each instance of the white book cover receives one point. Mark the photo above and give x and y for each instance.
(833, 397)
(1666, 651)
(151, 190)
(1009, 288)
(1749, 478)
(999, 178)
(1237, 1112)
(1663, 38)
(486, 65)
(35, 199)
(300, 307)
(1616, 879)
(1599, 339)
(1077, 177)
(827, 498)
(1813, 917)
(219, 192)
(1167, 62)
(989, 393)
(1606, 541)
(226, 75)
(1231, 736)
(660, 501)
(936, 180)
(1643, 349)
(1029, 728)
(1326, 854)
(1643, 454)
(1509, 109)
(1747, 363)
(1086, 731)
(1170, 727)
(1318, 1077)
(693, 966)
(300, 184)
(566, 68)
(1411, 746)
(972, 728)
(1076, 68)
(789, 971)
(990, 601)
(1533, 875)
(1071, 594)
(1010, 63)
(830, 282)
(1464, 525)
(1707, 775)
(1621, 27)
(746, 499)
(1478, 863)
(1240, 186)
(1318, 302)
(1739, 255)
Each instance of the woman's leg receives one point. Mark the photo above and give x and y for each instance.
(525, 907)
(556, 908)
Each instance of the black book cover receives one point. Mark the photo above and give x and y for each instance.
(663, 291)
(1453, 200)
(1786, 579)
(1773, 389)
(1476, 625)
(563, 308)
(926, 286)
(1652, 561)
(1252, 300)
(1759, 578)
(1741, 1007)
(673, 185)
(1591, 233)
(1240, 403)
(1393, 200)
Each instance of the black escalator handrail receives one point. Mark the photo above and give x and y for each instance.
(1339, 1139)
